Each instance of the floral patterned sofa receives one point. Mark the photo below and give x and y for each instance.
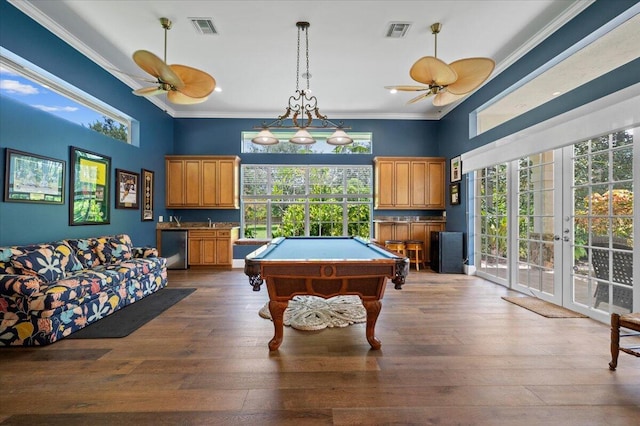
(48, 291)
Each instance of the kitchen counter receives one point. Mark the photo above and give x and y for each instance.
(197, 225)
(409, 219)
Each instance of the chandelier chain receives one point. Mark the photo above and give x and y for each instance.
(306, 33)
(298, 63)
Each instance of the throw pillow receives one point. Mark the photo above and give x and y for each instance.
(112, 250)
(84, 252)
(44, 262)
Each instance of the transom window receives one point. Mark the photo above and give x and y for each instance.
(24, 82)
(301, 200)
(362, 144)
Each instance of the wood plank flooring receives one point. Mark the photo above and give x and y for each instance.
(453, 352)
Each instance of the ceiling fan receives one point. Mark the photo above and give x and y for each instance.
(183, 85)
(447, 82)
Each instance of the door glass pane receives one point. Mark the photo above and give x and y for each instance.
(602, 273)
(536, 212)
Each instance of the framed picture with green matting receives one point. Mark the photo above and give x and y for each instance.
(90, 188)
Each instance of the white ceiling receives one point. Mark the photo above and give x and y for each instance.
(253, 56)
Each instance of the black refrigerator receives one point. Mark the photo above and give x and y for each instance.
(446, 252)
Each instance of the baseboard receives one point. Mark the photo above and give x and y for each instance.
(469, 269)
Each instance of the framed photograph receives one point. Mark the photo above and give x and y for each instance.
(31, 178)
(128, 184)
(456, 169)
(89, 189)
(454, 193)
(147, 194)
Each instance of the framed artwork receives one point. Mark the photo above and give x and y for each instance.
(456, 169)
(128, 189)
(89, 188)
(147, 195)
(31, 178)
(454, 193)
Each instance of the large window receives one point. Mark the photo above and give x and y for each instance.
(287, 200)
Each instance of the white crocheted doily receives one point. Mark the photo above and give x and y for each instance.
(316, 313)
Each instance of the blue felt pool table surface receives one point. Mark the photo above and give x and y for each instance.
(322, 248)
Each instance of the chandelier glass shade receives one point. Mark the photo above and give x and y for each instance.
(302, 111)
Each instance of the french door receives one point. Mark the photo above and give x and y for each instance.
(559, 225)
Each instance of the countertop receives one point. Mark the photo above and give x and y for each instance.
(408, 219)
(197, 225)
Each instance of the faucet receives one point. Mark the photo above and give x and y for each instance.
(177, 219)
(209, 219)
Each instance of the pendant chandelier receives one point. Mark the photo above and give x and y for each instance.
(302, 110)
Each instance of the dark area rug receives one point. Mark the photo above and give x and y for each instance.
(128, 319)
(542, 307)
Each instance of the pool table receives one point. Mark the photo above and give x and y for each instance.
(325, 267)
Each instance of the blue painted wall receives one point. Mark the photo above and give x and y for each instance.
(29, 129)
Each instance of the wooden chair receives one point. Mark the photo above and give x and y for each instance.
(628, 321)
(622, 271)
(415, 253)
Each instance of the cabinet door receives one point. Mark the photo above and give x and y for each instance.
(192, 177)
(435, 178)
(402, 184)
(209, 251)
(223, 251)
(385, 187)
(195, 251)
(401, 231)
(209, 183)
(227, 184)
(384, 232)
(175, 183)
(419, 182)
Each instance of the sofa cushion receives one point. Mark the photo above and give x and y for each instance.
(84, 251)
(43, 262)
(112, 249)
(12, 285)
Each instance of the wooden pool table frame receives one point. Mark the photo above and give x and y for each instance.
(285, 279)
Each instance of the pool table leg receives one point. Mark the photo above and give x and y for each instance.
(277, 315)
(373, 310)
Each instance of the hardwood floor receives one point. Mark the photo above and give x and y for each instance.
(453, 352)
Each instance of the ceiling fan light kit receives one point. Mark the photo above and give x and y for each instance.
(302, 110)
(447, 83)
(183, 85)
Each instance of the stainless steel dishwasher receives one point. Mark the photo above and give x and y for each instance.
(174, 248)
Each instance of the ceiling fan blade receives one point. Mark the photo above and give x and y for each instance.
(182, 99)
(149, 91)
(419, 98)
(445, 98)
(197, 84)
(157, 68)
(431, 70)
(408, 88)
(472, 72)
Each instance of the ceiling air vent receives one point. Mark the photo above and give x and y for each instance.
(204, 26)
(397, 29)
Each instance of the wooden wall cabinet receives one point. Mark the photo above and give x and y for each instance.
(202, 182)
(392, 231)
(407, 183)
(211, 247)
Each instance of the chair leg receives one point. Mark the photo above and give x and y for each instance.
(615, 341)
